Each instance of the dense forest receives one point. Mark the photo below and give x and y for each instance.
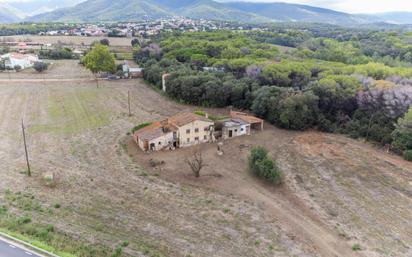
(356, 82)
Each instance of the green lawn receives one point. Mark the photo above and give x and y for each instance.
(73, 110)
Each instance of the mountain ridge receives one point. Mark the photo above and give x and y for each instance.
(135, 10)
(105, 10)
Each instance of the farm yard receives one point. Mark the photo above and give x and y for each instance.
(338, 192)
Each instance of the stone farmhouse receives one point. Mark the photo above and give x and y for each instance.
(187, 129)
(181, 130)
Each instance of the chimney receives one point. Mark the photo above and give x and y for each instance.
(164, 122)
(164, 77)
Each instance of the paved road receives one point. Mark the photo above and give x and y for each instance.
(11, 250)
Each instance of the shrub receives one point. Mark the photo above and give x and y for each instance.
(356, 247)
(257, 153)
(17, 68)
(105, 42)
(264, 167)
(402, 135)
(40, 66)
(24, 220)
(58, 54)
(140, 126)
(407, 155)
(200, 113)
(117, 252)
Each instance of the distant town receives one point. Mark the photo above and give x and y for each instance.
(145, 28)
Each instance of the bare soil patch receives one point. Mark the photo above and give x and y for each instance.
(336, 192)
(76, 132)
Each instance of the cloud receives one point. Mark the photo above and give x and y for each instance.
(353, 6)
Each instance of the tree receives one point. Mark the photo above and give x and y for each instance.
(17, 68)
(196, 162)
(276, 74)
(2, 65)
(402, 135)
(298, 111)
(135, 42)
(99, 59)
(40, 66)
(266, 102)
(262, 166)
(105, 42)
(199, 60)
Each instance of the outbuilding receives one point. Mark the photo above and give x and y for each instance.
(234, 128)
(255, 122)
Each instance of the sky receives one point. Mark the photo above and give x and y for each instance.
(354, 6)
(351, 6)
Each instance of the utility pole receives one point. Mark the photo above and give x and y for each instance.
(25, 149)
(128, 100)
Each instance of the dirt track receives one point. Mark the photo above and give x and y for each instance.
(78, 132)
(228, 175)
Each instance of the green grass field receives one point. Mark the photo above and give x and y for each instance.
(73, 110)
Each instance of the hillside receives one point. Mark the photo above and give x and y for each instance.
(30, 8)
(123, 10)
(295, 12)
(105, 10)
(395, 17)
(8, 14)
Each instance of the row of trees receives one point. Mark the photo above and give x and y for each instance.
(58, 54)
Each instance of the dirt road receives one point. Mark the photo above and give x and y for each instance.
(228, 175)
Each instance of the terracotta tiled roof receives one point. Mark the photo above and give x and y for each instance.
(150, 132)
(245, 117)
(160, 128)
(184, 118)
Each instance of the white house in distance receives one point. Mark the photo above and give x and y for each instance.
(25, 61)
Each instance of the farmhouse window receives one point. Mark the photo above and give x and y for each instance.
(205, 137)
(188, 140)
(196, 130)
(196, 138)
(187, 131)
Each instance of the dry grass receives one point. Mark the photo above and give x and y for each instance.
(337, 192)
(105, 197)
